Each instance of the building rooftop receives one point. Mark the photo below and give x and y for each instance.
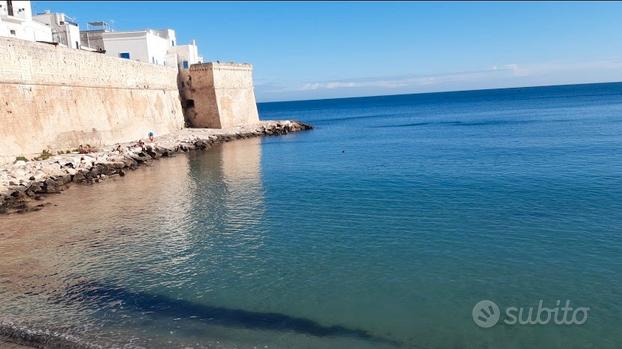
(99, 25)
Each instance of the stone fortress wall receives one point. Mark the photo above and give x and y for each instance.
(54, 98)
(219, 95)
(57, 98)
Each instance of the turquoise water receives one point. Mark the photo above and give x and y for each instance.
(381, 228)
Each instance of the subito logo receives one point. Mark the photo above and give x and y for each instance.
(486, 314)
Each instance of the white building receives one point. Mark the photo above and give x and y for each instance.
(92, 36)
(65, 30)
(16, 21)
(149, 46)
(186, 55)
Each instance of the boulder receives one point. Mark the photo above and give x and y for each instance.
(51, 186)
(79, 177)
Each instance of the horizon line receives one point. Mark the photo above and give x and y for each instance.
(438, 92)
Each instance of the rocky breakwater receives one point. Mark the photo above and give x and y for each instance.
(24, 184)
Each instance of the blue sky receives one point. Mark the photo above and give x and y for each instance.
(307, 50)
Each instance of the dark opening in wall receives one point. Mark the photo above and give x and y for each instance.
(189, 103)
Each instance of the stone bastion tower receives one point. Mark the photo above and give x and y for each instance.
(218, 95)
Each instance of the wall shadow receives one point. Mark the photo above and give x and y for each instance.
(100, 294)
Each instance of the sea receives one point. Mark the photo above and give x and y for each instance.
(475, 219)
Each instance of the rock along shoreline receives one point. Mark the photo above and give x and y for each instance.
(23, 184)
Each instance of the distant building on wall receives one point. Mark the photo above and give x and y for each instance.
(16, 21)
(92, 36)
(187, 55)
(149, 46)
(65, 30)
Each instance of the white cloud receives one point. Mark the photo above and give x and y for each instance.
(403, 81)
(501, 75)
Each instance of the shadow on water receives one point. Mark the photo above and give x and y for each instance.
(100, 294)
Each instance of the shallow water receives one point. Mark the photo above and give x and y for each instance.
(381, 228)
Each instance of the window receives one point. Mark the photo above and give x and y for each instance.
(185, 64)
(12, 32)
(9, 5)
(172, 42)
(77, 45)
(125, 55)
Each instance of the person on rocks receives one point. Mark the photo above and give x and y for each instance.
(85, 150)
(151, 136)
